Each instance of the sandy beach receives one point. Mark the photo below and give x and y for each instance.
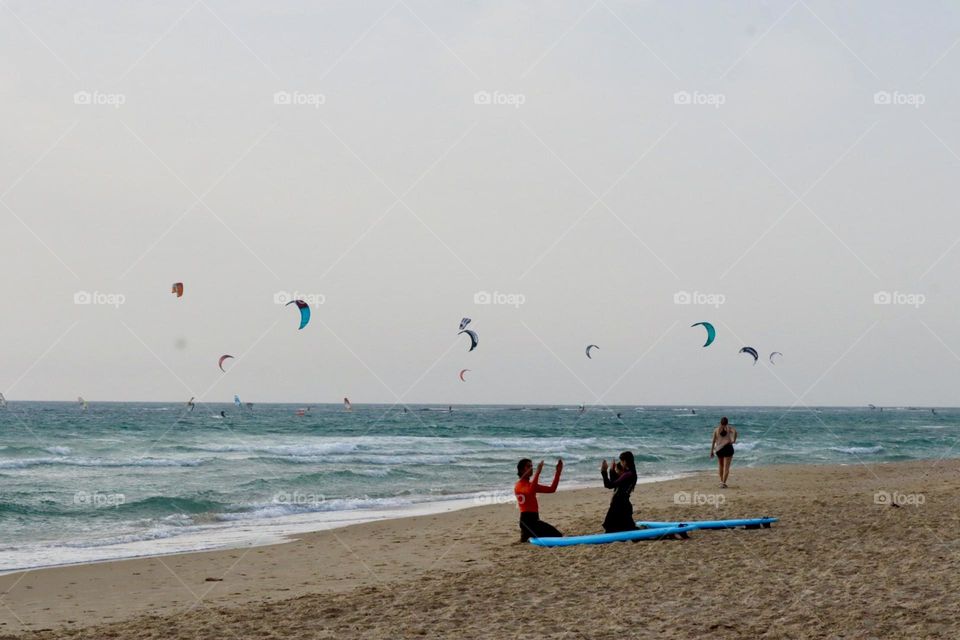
(840, 563)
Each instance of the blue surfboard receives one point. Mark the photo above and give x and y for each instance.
(750, 523)
(620, 536)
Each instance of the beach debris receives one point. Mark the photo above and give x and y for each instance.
(775, 353)
(177, 288)
(752, 352)
(220, 362)
(213, 579)
(711, 332)
(463, 323)
(474, 338)
(463, 371)
(304, 311)
(587, 351)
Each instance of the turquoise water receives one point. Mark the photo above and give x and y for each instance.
(125, 479)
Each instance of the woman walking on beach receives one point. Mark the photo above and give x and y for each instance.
(620, 514)
(724, 438)
(526, 490)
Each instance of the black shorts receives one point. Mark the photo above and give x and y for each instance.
(726, 451)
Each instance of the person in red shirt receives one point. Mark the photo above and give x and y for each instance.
(526, 490)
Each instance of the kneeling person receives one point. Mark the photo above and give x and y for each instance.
(526, 490)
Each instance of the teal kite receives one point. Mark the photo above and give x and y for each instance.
(711, 332)
(304, 311)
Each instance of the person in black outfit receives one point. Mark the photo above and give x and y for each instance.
(620, 514)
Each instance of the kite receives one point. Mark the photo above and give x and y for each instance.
(464, 323)
(474, 338)
(591, 346)
(220, 363)
(177, 288)
(752, 352)
(775, 353)
(304, 311)
(711, 332)
(463, 371)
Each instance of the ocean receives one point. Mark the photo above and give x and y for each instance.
(132, 479)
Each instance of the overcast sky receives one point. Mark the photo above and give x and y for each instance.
(617, 154)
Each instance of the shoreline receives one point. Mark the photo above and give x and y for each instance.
(831, 528)
(246, 534)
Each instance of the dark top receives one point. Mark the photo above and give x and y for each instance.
(622, 485)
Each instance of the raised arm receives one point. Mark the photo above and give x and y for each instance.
(553, 485)
(606, 480)
(536, 474)
(623, 478)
